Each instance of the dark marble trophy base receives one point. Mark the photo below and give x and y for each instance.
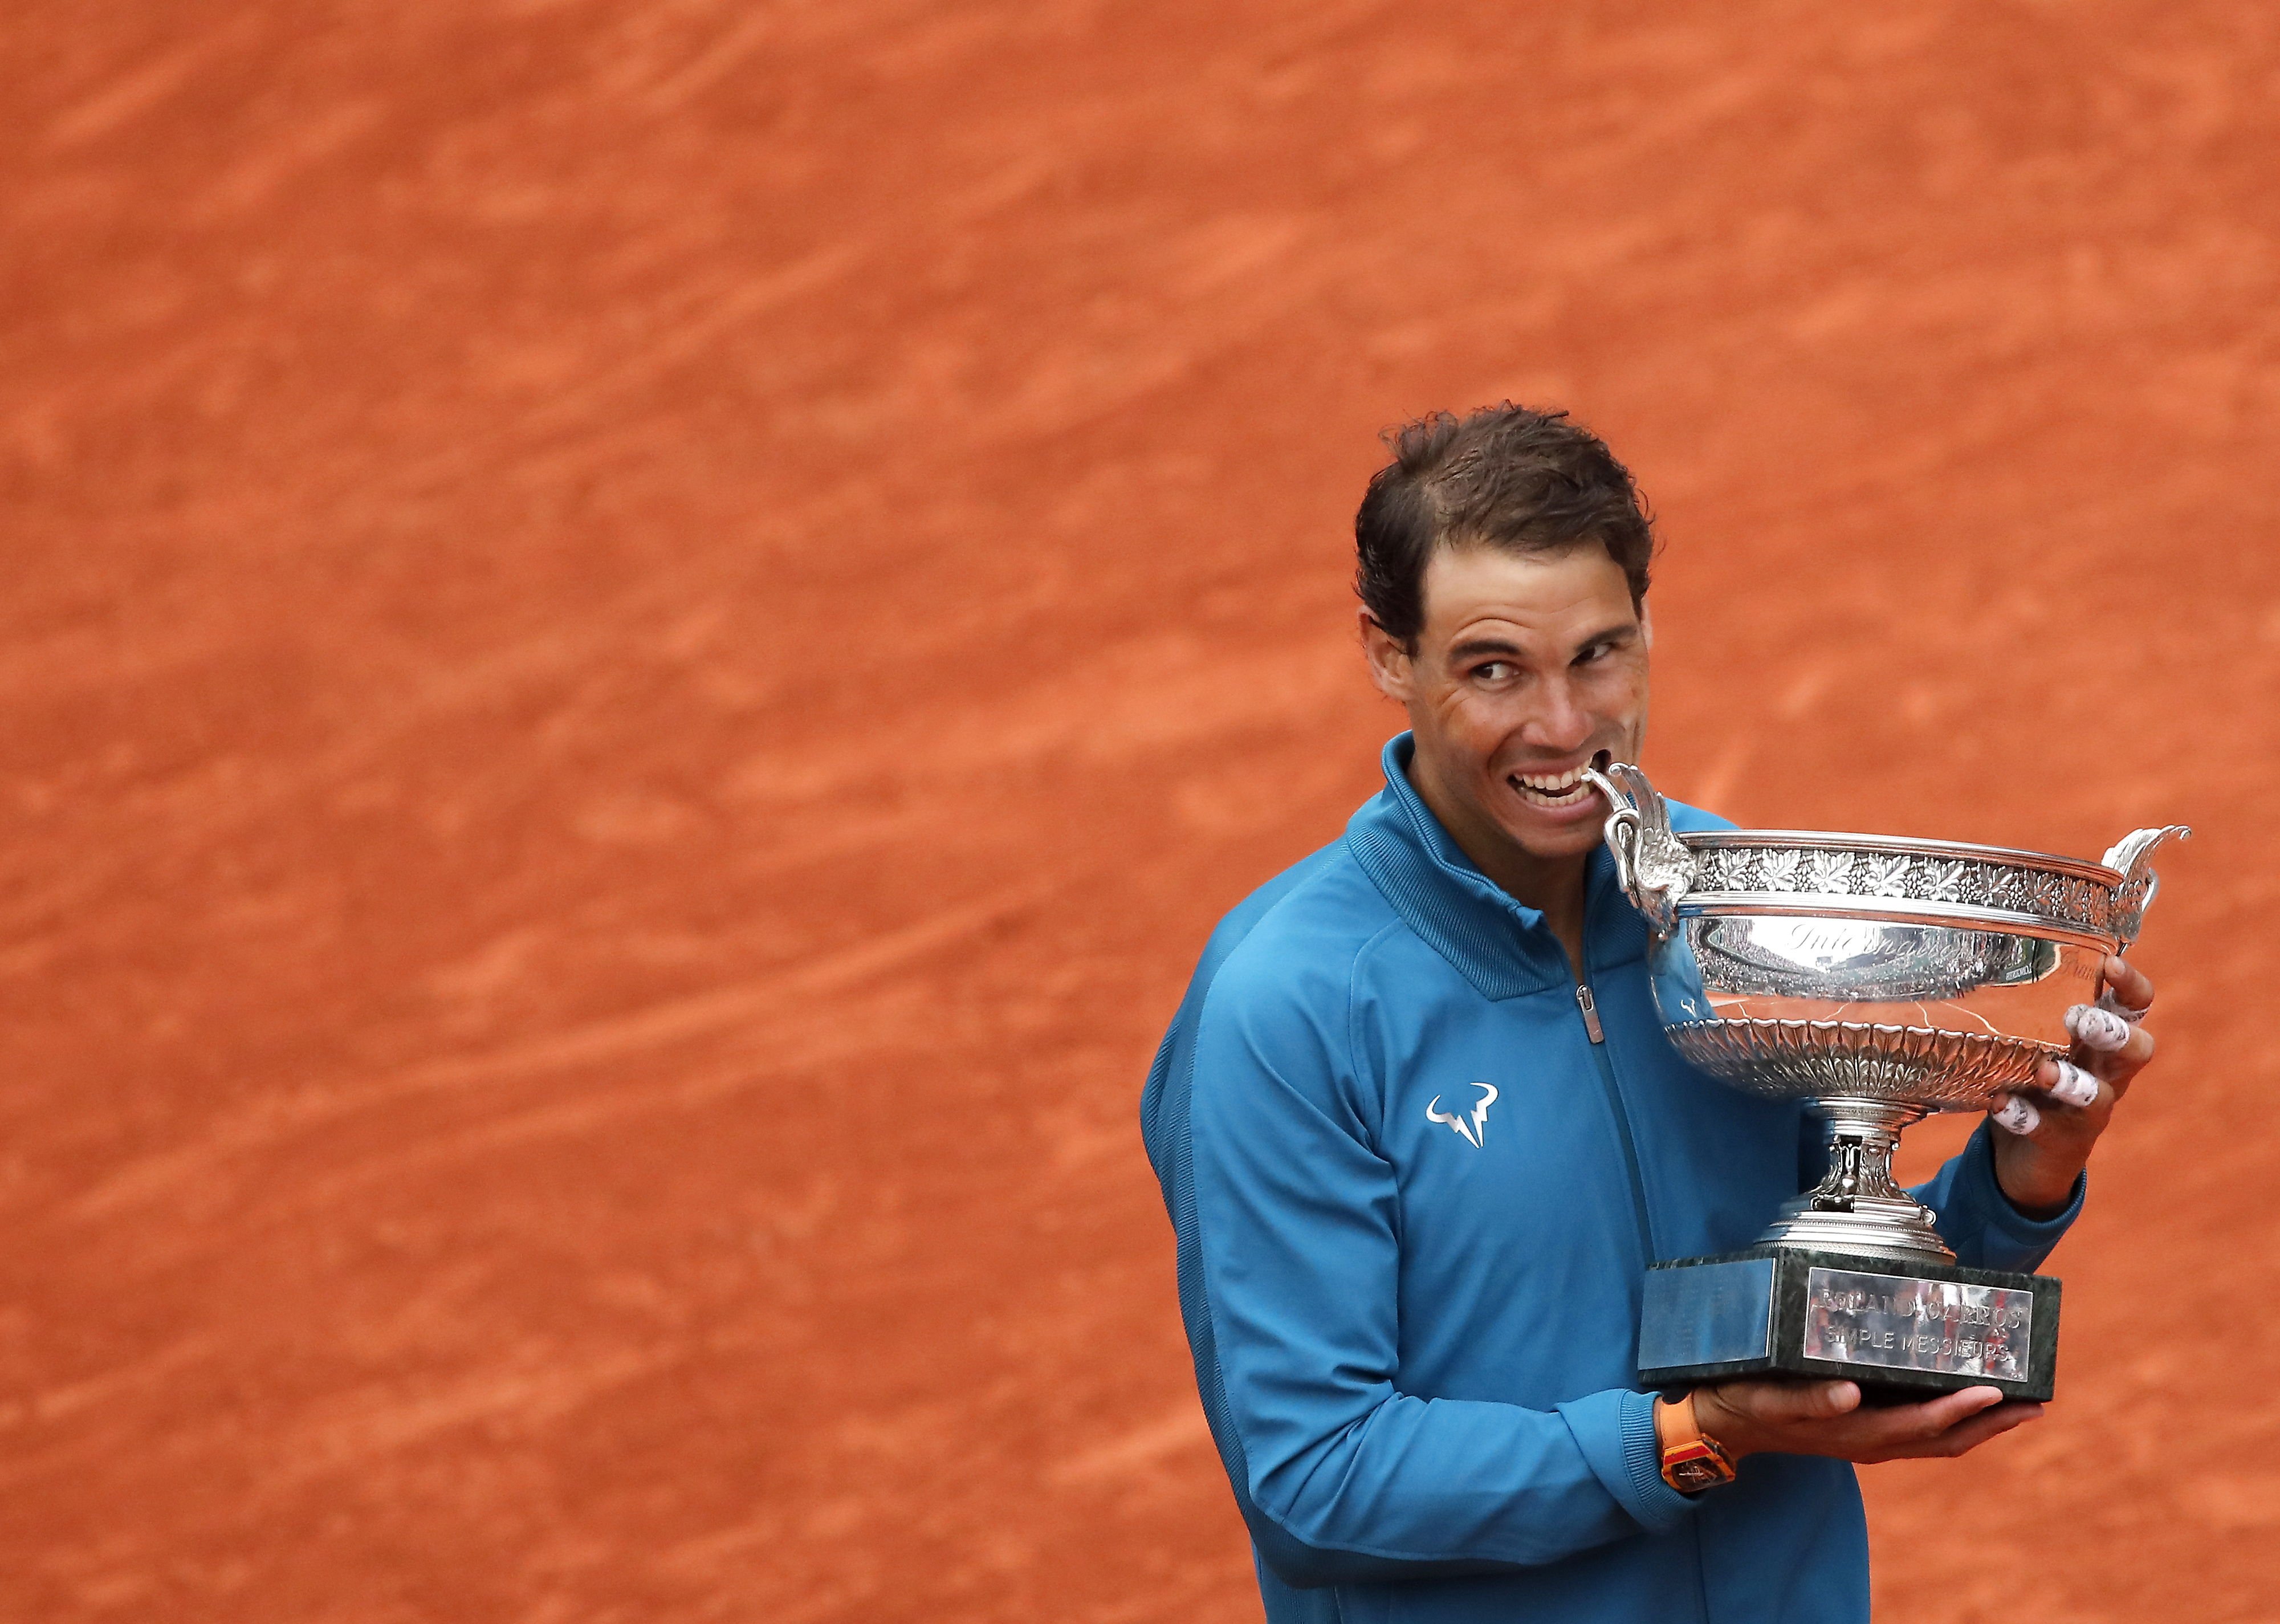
(1904, 1331)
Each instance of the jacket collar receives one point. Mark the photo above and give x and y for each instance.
(1500, 945)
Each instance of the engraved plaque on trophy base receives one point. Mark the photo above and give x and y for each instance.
(1905, 1331)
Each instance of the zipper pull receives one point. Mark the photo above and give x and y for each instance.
(1590, 1005)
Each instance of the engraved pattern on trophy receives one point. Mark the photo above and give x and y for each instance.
(1790, 868)
(1793, 1059)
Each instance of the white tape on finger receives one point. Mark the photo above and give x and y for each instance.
(2015, 1115)
(2075, 1086)
(2096, 1029)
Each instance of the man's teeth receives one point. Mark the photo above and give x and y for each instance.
(1554, 786)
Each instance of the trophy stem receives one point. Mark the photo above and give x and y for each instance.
(1857, 1208)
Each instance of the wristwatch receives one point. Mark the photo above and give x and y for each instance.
(1691, 1462)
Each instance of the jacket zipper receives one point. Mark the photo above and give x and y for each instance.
(1589, 1007)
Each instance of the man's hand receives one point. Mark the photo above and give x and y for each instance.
(2045, 1141)
(1826, 1418)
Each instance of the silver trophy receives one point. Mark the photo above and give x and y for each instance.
(1878, 978)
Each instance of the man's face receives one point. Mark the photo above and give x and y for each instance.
(1526, 667)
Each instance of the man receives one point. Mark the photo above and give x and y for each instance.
(1420, 1134)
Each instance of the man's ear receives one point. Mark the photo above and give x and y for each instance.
(1646, 624)
(1389, 664)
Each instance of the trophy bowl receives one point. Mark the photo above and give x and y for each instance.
(1876, 977)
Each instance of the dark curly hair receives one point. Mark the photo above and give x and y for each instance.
(1506, 477)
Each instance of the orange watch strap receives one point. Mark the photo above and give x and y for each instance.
(1690, 1461)
(1675, 1422)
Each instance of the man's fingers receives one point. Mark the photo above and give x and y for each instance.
(1808, 1401)
(2015, 1116)
(2100, 1031)
(2118, 1067)
(1780, 1403)
(1987, 1424)
(1906, 1431)
(1906, 1428)
(2067, 1082)
(1832, 1398)
(1942, 1414)
(1827, 1418)
(1968, 1434)
(2130, 987)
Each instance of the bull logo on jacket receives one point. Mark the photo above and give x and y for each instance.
(1470, 1129)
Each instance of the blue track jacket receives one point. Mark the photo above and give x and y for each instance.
(1414, 1201)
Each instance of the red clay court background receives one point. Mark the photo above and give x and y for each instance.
(641, 640)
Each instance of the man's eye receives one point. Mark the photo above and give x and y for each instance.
(1596, 652)
(1495, 671)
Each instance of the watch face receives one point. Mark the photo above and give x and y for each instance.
(1691, 1476)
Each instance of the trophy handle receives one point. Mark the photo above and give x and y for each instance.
(1653, 864)
(2132, 857)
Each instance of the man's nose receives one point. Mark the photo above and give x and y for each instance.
(1561, 723)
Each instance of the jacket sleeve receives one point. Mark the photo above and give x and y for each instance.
(1298, 1220)
(1977, 1218)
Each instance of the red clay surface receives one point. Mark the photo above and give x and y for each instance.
(642, 638)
